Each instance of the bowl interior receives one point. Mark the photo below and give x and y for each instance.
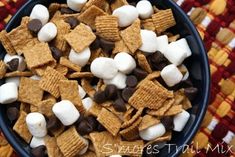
(197, 65)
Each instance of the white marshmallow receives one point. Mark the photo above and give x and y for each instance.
(76, 5)
(175, 54)
(41, 13)
(152, 132)
(162, 43)
(66, 112)
(81, 92)
(36, 141)
(80, 58)
(87, 103)
(47, 33)
(182, 43)
(15, 80)
(84, 150)
(36, 123)
(35, 77)
(8, 93)
(171, 75)
(104, 68)
(145, 9)
(125, 62)
(180, 120)
(119, 81)
(149, 40)
(116, 155)
(22, 64)
(126, 14)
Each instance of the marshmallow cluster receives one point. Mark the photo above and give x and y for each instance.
(152, 132)
(162, 43)
(21, 65)
(8, 93)
(180, 120)
(41, 13)
(76, 5)
(80, 58)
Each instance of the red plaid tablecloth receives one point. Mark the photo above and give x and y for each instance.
(215, 21)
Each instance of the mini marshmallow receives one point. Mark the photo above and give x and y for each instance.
(8, 93)
(84, 150)
(145, 9)
(116, 155)
(87, 103)
(81, 92)
(126, 14)
(149, 40)
(15, 80)
(66, 112)
(180, 120)
(35, 77)
(22, 64)
(119, 81)
(153, 132)
(162, 43)
(76, 5)
(171, 75)
(80, 58)
(182, 43)
(41, 13)
(47, 33)
(36, 123)
(104, 68)
(36, 141)
(125, 62)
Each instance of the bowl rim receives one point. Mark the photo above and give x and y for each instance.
(177, 10)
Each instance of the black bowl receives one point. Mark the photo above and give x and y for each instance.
(197, 64)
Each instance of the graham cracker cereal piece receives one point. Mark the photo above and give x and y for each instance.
(25, 107)
(148, 121)
(108, 119)
(50, 80)
(80, 75)
(62, 69)
(179, 97)
(186, 104)
(89, 154)
(52, 148)
(163, 20)
(65, 62)
(100, 85)
(153, 75)
(40, 70)
(95, 54)
(143, 63)
(166, 137)
(162, 110)
(6, 151)
(19, 74)
(133, 118)
(118, 3)
(131, 36)
(175, 109)
(53, 7)
(120, 47)
(70, 142)
(29, 91)
(148, 24)
(87, 87)
(102, 4)
(128, 114)
(21, 128)
(80, 38)
(134, 148)
(45, 107)
(107, 27)
(6, 43)
(38, 55)
(132, 132)
(90, 14)
(145, 96)
(95, 109)
(173, 38)
(33, 108)
(3, 69)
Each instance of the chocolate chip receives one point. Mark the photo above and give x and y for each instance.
(12, 113)
(139, 73)
(95, 44)
(72, 21)
(111, 91)
(56, 53)
(84, 128)
(99, 97)
(158, 60)
(167, 122)
(127, 93)
(100, 128)
(131, 81)
(119, 105)
(13, 64)
(34, 25)
(39, 151)
(191, 92)
(53, 123)
(107, 46)
(65, 10)
(92, 121)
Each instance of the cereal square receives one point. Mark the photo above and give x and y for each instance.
(133, 118)
(148, 24)
(148, 121)
(45, 107)
(175, 109)
(162, 110)
(19, 74)
(118, 4)
(102, 4)
(7, 43)
(65, 62)
(143, 62)
(52, 148)
(3, 69)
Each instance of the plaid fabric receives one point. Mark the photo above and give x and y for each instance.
(215, 21)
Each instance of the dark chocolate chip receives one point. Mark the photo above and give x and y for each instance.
(84, 128)
(95, 44)
(139, 73)
(92, 121)
(100, 128)
(53, 123)
(191, 92)
(157, 60)
(107, 46)
(111, 91)
(12, 113)
(127, 93)
(39, 151)
(13, 64)
(99, 97)
(72, 21)
(56, 53)
(119, 105)
(131, 81)
(65, 10)
(167, 122)
(34, 25)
